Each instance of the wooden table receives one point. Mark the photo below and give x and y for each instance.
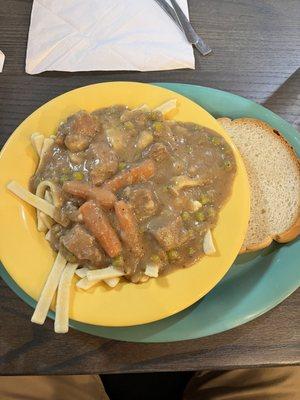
(256, 54)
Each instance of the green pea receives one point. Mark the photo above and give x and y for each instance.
(191, 251)
(173, 255)
(185, 216)
(215, 140)
(199, 216)
(166, 188)
(78, 175)
(65, 170)
(118, 262)
(227, 165)
(204, 199)
(158, 126)
(122, 165)
(155, 258)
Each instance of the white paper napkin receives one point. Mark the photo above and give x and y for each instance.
(2, 59)
(87, 35)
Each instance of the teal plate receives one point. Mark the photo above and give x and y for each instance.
(256, 282)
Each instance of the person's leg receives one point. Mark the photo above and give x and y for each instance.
(71, 387)
(282, 383)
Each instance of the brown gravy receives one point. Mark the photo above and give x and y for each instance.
(135, 189)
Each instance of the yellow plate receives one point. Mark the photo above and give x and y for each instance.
(28, 258)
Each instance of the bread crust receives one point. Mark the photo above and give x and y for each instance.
(256, 246)
(294, 230)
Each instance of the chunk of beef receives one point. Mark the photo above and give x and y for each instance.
(105, 162)
(139, 117)
(83, 245)
(61, 217)
(169, 231)
(142, 202)
(76, 142)
(159, 152)
(71, 210)
(77, 132)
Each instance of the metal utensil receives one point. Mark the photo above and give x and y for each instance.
(170, 11)
(189, 31)
(184, 24)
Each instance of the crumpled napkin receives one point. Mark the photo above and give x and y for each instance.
(87, 35)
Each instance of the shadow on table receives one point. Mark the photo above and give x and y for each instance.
(287, 106)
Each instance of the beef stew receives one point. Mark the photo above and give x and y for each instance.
(136, 190)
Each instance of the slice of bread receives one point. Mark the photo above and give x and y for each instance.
(274, 177)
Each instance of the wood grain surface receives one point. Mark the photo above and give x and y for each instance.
(256, 54)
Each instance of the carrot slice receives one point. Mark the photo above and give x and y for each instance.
(130, 233)
(75, 188)
(101, 196)
(98, 224)
(140, 173)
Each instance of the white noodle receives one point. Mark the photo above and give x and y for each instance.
(166, 107)
(81, 272)
(61, 324)
(105, 273)
(208, 244)
(85, 284)
(152, 270)
(32, 199)
(43, 305)
(48, 190)
(112, 282)
(143, 107)
(37, 141)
